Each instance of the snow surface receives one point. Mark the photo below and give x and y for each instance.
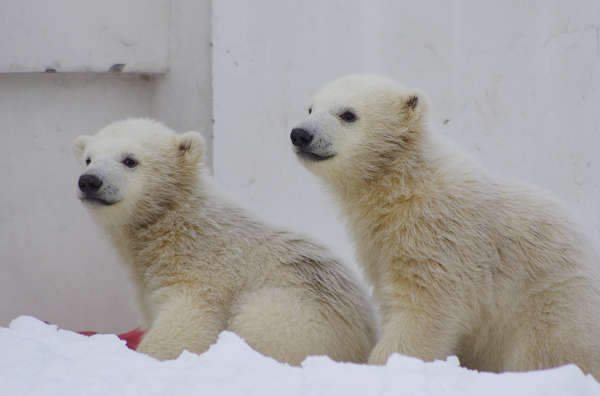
(39, 359)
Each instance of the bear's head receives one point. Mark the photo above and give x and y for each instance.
(357, 126)
(135, 170)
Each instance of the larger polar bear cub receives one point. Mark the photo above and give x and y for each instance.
(462, 261)
(201, 265)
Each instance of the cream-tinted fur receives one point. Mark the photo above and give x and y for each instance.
(201, 265)
(462, 261)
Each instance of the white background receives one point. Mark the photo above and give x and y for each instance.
(516, 83)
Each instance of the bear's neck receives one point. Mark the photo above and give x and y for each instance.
(381, 185)
(374, 203)
(144, 238)
(376, 209)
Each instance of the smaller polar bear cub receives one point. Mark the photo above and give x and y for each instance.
(463, 262)
(201, 265)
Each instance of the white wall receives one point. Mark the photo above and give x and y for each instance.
(84, 36)
(54, 262)
(514, 82)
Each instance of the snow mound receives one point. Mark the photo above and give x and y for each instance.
(40, 359)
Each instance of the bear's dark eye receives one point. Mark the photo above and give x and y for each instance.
(130, 163)
(348, 116)
(309, 111)
(88, 161)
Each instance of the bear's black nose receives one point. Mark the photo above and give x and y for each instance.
(300, 137)
(89, 183)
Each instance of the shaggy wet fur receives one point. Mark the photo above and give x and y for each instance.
(462, 262)
(201, 265)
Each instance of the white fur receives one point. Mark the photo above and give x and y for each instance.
(462, 262)
(201, 265)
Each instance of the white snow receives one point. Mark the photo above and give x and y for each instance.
(40, 359)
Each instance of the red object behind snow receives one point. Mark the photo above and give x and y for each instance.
(132, 338)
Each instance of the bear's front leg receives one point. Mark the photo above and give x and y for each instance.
(404, 336)
(418, 321)
(183, 321)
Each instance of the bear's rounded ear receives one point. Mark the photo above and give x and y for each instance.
(79, 146)
(191, 146)
(415, 104)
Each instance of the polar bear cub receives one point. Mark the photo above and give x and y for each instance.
(201, 265)
(462, 262)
